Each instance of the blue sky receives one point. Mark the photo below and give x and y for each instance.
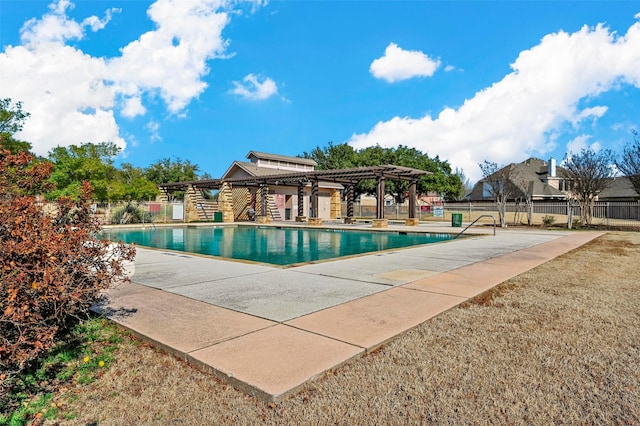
(208, 81)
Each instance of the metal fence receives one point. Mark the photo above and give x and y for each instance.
(140, 212)
(623, 214)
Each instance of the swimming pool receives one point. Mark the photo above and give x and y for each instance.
(279, 246)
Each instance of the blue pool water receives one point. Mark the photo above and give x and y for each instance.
(278, 246)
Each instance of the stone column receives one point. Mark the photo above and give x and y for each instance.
(336, 207)
(190, 204)
(225, 202)
(263, 217)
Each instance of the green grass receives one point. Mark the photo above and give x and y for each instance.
(36, 392)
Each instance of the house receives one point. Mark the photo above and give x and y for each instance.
(546, 181)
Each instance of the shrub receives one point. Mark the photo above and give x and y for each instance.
(52, 266)
(548, 220)
(130, 214)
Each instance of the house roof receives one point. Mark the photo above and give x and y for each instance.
(620, 187)
(277, 157)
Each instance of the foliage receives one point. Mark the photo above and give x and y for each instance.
(588, 173)
(94, 163)
(88, 162)
(629, 163)
(497, 181)
(548, 220)
(11, 121)
(35, 392)
(52, 267)
(130, 214)
(442, 181)
(131, 184)
(167, 170)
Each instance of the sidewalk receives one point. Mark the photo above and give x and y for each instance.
(269, 330)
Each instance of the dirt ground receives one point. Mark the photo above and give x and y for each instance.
(559, 344)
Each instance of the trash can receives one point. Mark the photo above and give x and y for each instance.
(217, 216)
(456, 220)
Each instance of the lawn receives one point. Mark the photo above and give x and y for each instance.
(559, 344)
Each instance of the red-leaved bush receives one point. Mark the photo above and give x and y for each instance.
(53, 267)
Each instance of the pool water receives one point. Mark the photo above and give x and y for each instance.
(278, 246)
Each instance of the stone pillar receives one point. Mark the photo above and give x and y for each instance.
(336, 207)
(301, 216)
(225, 202)
(380, 198)
(190, 204)
(263, 217)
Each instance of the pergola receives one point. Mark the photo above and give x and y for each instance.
(347, 177)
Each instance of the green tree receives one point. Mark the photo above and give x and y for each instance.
(442, 181)
(88, 162)
(332, 157)
(167, 170)
(130, 183)
(12, 118)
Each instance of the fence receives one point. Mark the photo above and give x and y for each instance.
(140, 212)
(623, 214)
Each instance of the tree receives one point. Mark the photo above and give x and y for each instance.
(130, 183)
(442, 181)
(167, 170)
(88, 162)
(52, 266)
(333, 157)
(588, 173)
(11, 121)
(629, 164)
(467, 186)
(497, 183)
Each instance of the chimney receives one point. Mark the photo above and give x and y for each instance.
(552, 167)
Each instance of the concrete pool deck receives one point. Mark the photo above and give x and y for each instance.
(268, 330)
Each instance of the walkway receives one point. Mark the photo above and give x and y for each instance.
(268, 330)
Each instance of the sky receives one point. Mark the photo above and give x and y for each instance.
(210, 80)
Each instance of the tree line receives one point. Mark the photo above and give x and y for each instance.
(93, 163)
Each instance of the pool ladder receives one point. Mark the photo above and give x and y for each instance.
(477, 219)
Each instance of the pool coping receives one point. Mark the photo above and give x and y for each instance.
(272, 359)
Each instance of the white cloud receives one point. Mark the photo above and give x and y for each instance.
(153, 127)
(519, 115)
(74, 98)
(398, 64)
(255, 88)
(133, 107)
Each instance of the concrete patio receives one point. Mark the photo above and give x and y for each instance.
(268, 330)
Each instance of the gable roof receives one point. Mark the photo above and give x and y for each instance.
(277, 157)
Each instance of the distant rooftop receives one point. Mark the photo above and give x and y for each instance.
(255, 155)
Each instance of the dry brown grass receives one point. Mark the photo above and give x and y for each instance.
(559, 344)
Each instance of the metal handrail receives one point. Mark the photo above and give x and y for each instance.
(477, 219)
